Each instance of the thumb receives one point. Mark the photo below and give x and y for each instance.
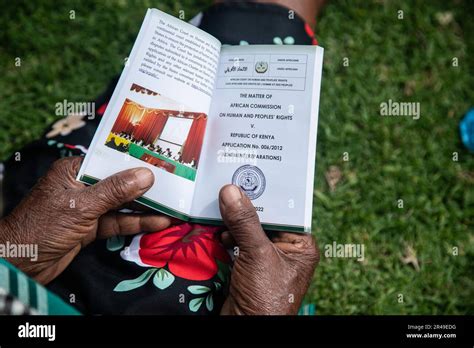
(241, 218)
(118, 189)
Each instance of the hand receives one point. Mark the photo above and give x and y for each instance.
(62, 215)
(268, 277)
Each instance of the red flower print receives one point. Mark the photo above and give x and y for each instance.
(101, 109)
(189, 250)
(310, 33)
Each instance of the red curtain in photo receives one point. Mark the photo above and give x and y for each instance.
(151, 125)
(193, 144)
(123, 123)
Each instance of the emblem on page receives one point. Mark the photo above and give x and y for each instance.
(251, 180)
(261, 67)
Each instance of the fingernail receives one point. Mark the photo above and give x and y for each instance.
(144, 177)
(231, 195)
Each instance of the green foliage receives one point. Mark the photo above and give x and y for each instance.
(390, 158)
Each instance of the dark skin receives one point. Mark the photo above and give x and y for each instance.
(270, 275)
(61, 216)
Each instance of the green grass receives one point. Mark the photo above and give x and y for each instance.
(390, 158)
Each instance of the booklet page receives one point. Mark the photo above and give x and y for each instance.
(159, 112)
(262, 133)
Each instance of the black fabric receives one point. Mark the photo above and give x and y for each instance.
(255, 23)
(91, 278)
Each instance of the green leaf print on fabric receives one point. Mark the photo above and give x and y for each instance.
(195, 304)
(209, 302)
(163, 279)
(198, 289)
(277, 41)
(115, 243)
(131, 284)
(289, 40)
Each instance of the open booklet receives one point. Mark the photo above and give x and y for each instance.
(202, 115)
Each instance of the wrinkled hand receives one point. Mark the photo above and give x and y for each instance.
(62, 215)
(269, 276)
